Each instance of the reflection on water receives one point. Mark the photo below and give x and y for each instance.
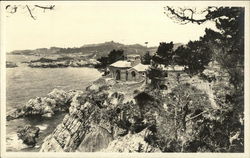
(24, 83)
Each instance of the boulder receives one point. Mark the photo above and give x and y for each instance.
(28, 134)
(98, 138)
(131, 143)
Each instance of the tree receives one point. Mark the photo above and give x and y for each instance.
(188, 123)
(164, 53)
(196, 56)
(103, 62)
(12, 9)
(146, 58)
(156, 75)
(227, 47)
(112, 57)
(162, 57)
(116, 55)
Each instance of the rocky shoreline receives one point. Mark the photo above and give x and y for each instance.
(56, 101)
(87, 126)
(103, 118)
(62, 62)
(113, 116)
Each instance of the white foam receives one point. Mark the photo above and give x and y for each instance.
(13, 142)
(42, 127)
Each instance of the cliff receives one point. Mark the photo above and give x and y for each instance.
(118, 116)
(98, 119)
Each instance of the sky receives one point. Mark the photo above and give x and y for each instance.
(77, 24)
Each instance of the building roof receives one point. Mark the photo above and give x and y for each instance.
(140, 67)
(174, 68)
(121, 63)
(133, 55)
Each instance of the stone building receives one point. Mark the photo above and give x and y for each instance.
(119, 69)
(130, 70)
(138, 72)
(174, 75)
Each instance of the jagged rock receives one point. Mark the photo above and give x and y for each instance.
(47, 115)
(69, 133)
(96, 140)
(89, 126)
(93, 87)
(50, 144)
(28, 134)
(131, 143)
(57, 100)
(15, 114)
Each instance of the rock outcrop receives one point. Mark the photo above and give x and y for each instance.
(62, 62)
(132, 143)
(94, 141)
(78, 125)
(28, 135)
(99, 121)
(57, 100)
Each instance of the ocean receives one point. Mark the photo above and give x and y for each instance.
(24, 83)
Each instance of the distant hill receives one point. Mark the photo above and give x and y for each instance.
(92, 50)
(39, 51)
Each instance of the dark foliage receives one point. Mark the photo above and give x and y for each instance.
(115, 55)
(112, 57)
(195, 56)
(221, 130)
(164, 53)
(146, 59)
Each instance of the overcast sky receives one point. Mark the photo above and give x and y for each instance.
(95, 22)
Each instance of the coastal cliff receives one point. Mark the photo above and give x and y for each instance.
(116, 116)
(96, 119)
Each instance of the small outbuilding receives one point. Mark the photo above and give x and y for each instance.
(138, 72)
(119, 69)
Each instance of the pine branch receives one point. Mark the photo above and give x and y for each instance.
(30, 12)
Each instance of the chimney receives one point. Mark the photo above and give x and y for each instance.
(134, 59)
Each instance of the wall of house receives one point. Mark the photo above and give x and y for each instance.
(127, 74)
(122, 73)
(137, 77)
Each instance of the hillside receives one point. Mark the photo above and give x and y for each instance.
(92, 50)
